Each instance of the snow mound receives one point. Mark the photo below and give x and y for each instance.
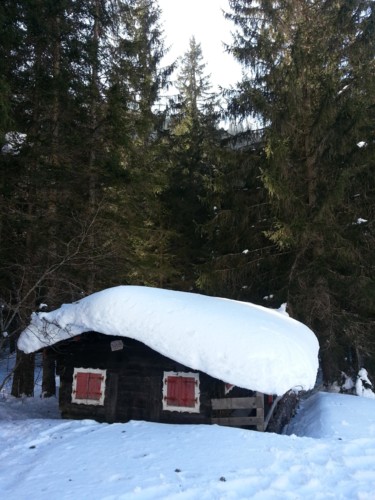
(335, 416)
(240, 343)
(45, 458)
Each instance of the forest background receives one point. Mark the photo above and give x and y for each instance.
(264, 192)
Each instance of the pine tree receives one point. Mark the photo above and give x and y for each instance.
(32, 78)
(138, 146)
(47, 64)
(241, 261)
(309, 67)
(195, 151)
(192, 82)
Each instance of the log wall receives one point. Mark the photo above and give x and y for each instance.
(134, 382)
(134, 386)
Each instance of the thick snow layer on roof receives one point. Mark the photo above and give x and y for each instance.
(240, 343)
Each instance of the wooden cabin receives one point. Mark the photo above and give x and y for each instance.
(167, 356)
(117, 379)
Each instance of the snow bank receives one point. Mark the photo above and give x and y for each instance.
(46, 459)
(240, 343)
(335, 416)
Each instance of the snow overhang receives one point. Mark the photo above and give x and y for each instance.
(243, 344)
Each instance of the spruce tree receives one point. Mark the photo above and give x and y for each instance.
(308, 79)
(47, 64)
(241, 260)
(138, 146)
(195, 145)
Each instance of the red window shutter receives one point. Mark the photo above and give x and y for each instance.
(172, 391)
(181, 391)
(88, 385)
(188, 391)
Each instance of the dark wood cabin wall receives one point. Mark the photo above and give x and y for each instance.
(134, 382)
(140, 393)
(82, 354)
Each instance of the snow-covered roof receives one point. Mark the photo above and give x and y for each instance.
(240, 343)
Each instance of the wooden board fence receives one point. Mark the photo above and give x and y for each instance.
(235, 412)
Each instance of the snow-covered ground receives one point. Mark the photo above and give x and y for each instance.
(329, 452)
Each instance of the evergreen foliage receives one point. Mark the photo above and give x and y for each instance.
(139, 147)
(309, 67)
(103, 183)
(76, 138)
(195, 155)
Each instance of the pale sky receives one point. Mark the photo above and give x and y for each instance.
(204, 20)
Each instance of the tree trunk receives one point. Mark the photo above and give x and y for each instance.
(23, 378)
(48, 380)
(92, 181)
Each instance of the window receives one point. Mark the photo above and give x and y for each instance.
(88, 386)
(181, 391)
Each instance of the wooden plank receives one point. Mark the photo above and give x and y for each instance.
(236, 403)
(237, 421)
(249, 403)
(260, 400)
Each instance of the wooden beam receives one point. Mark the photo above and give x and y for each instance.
(238, 421)
(237, 403)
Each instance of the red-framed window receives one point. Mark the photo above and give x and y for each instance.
(181, 391)
(88, 386)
